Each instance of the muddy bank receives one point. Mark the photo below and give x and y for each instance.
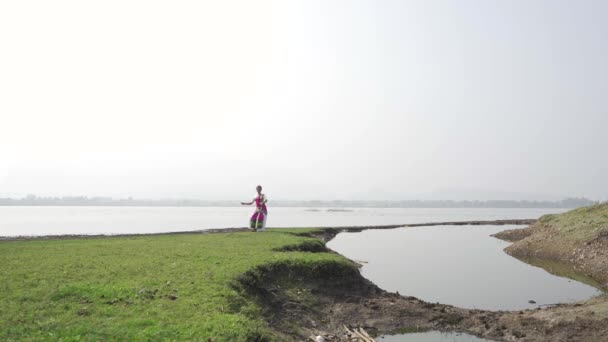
(578, 238)
(380, 312)
(298, 299)
(577, 241)
(585, 321)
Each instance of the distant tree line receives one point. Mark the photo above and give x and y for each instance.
(32, 200)
(565, 203)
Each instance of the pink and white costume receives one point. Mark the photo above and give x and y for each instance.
(258, 219)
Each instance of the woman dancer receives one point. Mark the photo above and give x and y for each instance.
(258, 219)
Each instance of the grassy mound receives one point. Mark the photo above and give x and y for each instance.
(583, 224)
(168, 287)
(577, 239)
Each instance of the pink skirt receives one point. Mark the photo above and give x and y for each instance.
(258, 220)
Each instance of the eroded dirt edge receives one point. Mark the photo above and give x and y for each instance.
(296, 301)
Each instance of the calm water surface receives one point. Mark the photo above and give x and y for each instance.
(431, 336)
(16, 221)
(458, 265)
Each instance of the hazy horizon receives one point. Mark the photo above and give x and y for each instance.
(350, 100)
(459, 196)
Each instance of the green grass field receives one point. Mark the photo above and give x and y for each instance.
(581, 224)
(160, 288)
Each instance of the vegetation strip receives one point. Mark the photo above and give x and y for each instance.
(175, 287)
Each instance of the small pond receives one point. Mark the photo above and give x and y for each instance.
(457, 265)
(431, 336)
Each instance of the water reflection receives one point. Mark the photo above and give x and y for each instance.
(431, 336)
(458, 265)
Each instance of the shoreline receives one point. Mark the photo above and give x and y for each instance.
(328, 229)
(393, 313)
(380, 312)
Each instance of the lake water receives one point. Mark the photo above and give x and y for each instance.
(15, 221)
(458, 265)
(431, 336)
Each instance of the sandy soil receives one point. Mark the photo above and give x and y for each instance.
(541, 241)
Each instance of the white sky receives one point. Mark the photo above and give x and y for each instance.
(311, 99)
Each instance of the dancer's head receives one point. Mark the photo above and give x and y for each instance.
(258, 189)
